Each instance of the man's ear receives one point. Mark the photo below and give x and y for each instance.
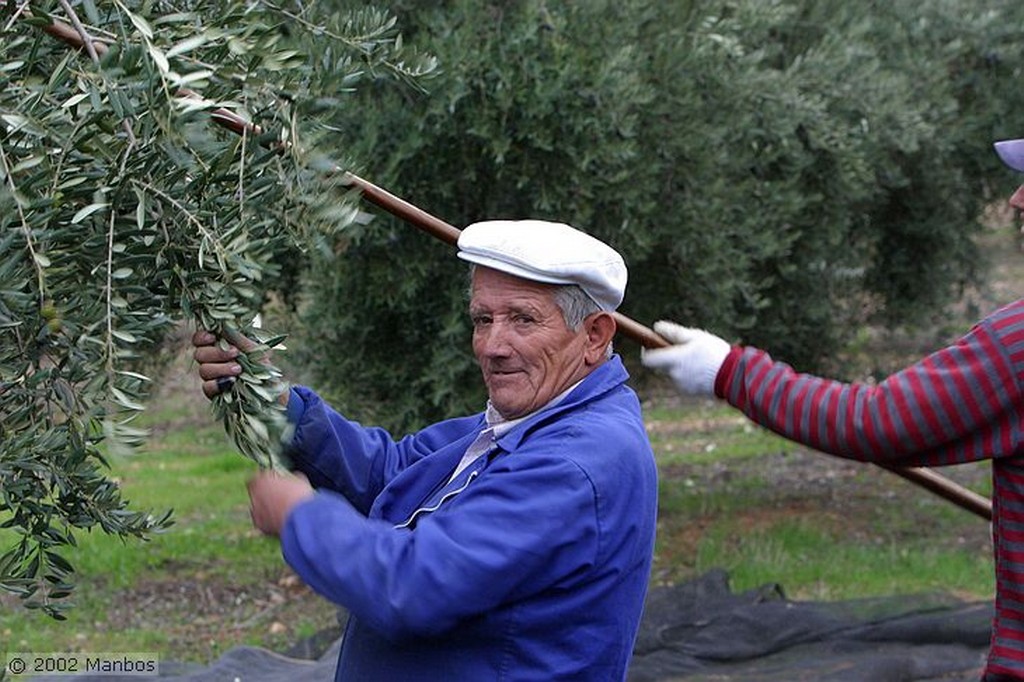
(600, 328)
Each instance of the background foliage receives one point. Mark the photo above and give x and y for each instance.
(124, 210)
(779, 172)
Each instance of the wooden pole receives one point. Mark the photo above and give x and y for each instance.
(648, 338)
(439, 229)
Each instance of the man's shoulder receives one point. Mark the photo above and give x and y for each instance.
(605, 405)
(604, 426)
(607, 383)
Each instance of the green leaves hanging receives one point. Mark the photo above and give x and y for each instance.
(125, 209)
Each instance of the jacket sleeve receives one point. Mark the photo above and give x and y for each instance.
(341, 455)
(954, 405)
(509, 533)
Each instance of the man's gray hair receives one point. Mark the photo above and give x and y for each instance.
(576, 305)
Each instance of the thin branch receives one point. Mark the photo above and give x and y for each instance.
(17, 13)
(111, 350)
(365, 44)
(24, 225)
(87, 41)
(90, 48)
(241, 173)
(212, 238)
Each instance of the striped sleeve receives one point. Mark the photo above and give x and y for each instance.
(959, 404)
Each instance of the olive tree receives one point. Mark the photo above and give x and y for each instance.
(781, 172)
(159, 162)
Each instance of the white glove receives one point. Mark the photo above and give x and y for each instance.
(692, 362)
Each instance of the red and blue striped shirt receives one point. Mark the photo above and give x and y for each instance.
(963, 403)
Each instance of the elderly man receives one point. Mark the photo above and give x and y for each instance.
(514, 544)
(961, 404)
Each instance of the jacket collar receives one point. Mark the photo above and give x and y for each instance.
(608, 376)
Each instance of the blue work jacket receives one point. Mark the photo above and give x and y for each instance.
(532, 564)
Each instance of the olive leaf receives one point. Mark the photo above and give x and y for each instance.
(126, 211)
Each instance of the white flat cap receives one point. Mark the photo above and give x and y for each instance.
(554, 253)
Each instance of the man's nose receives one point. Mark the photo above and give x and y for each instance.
(496, 340)
(1017, 200)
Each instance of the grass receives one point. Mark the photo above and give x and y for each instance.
(819, 565)
(738, 497)
(733, 496)
(209, 583)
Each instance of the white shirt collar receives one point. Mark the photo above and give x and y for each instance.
(500, 426)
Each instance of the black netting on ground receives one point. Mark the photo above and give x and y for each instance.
(701, 631)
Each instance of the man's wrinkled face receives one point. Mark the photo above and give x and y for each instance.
(525, 350)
